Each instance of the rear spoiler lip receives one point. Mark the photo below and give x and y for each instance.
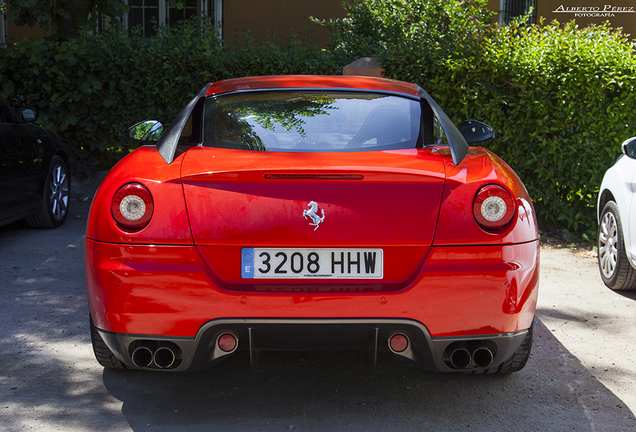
(167, 144)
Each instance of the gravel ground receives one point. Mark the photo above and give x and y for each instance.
(580, 376)
(594, 323)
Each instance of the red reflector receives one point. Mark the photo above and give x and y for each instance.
(227, 342)
(399, 343)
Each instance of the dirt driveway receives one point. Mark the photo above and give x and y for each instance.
(581, 375)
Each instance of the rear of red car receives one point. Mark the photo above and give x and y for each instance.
(312, 213)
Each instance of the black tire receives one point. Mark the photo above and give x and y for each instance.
(616, 271)
(55, 196)
(518, 360)
(520, 357)
(103, 354)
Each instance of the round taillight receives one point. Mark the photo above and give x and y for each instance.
(227, 342)
(493, 207)
(132, 206)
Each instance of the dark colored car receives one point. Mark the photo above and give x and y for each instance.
(35, 180)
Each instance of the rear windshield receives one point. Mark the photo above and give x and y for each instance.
(311, 121)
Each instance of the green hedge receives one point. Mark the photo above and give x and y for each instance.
(561, 99)
(89, 90)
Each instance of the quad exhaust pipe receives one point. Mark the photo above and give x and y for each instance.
(148, 354)
(463, 356)
(458, 355)
(167, 355)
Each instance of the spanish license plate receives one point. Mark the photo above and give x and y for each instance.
(291, 263)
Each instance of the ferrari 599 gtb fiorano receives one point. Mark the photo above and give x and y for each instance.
(312, 213)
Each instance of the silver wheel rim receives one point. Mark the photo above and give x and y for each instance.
(608, 245)
(59, 192)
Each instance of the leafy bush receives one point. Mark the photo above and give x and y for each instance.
(411, 38)
(89, 90)
(560, 98)
(562, 101)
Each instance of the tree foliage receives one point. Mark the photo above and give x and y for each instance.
(90, 89)
(562, 99)
(406, 34)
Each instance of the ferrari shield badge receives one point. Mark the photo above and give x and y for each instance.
(313, 214)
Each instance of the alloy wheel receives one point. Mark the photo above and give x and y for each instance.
(59, 196)
(608, 244)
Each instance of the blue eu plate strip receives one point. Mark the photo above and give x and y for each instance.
(247, 263)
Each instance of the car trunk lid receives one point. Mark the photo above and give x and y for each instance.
(240, 199)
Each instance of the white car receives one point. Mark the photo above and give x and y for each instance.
(617, 221)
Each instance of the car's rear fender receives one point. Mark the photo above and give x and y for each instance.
(169, 223)
(457, 225)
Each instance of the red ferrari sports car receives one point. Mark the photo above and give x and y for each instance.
(312, 213)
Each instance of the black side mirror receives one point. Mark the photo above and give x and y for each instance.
(475, 131)
(146, 131)
(629, 147)
(25, 115)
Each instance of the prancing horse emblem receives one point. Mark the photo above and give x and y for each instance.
(313, 214)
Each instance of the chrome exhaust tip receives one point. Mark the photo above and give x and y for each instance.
(459, 357)
(164, 357)
(482, 356)
(142, 356)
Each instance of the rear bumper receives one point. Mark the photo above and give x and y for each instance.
(462, 295)
(370, 335)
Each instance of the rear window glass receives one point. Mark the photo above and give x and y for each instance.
(311, 121)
